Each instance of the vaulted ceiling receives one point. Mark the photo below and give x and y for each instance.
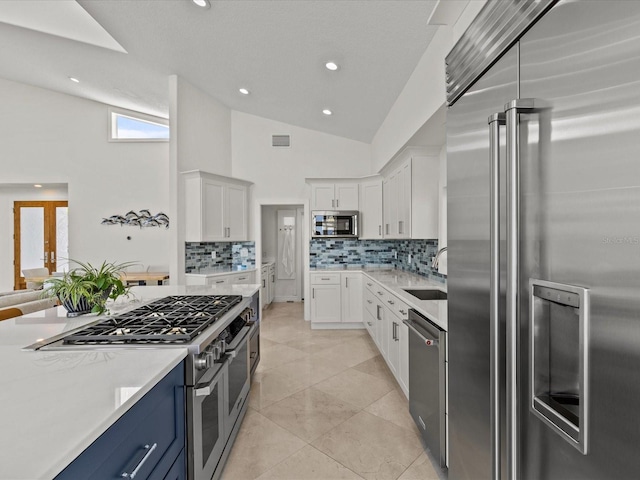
(277, 49)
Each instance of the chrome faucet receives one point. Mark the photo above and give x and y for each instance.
(436, 259)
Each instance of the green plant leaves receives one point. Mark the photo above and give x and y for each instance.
(95, 284)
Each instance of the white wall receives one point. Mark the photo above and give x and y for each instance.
(8, 195)
(48, 137)
(423, 94)
(200, 140)
(279, 173)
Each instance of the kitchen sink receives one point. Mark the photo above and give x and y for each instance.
(430, 294)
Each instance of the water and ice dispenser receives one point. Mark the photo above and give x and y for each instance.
(560, 359)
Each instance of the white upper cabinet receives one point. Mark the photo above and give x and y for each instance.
(216, 208)
(347, 196)
(411, 196)
(323, 196)
(237, 209)
(371, 225)
(334, 196)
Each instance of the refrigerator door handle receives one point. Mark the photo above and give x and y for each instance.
(512, 110)
(495, 122)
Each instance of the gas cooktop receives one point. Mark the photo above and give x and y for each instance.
(169, 320)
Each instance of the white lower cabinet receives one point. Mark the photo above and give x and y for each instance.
(272, 282)
(403, 374)
(337, 298)
(389, 333)
(351, 298)
(393, 349)
(325, 303)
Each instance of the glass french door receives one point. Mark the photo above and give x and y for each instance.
(41, 237)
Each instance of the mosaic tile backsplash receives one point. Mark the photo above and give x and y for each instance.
(341, 251)
(198, 255)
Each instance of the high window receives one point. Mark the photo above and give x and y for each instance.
(127, 126)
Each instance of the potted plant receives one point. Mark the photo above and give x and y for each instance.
(86, 289)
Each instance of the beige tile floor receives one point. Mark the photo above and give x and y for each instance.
(324, 406)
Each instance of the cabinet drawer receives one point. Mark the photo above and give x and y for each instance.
(325, 278)
(217, 280)
(370, 284)
(370, 301)
(380, 294)
(398, 307)
(241, 278)
(156, 421)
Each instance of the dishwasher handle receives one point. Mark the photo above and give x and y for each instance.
(429, 342)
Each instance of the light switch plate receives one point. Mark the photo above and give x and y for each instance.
(214, 254)
(244, 252)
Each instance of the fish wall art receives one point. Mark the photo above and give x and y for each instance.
(141, 219)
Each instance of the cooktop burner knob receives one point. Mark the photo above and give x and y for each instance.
(203, 361)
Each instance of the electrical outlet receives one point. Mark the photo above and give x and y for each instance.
(214, 255)
(409, 258)
(395, 255)
(244, 252)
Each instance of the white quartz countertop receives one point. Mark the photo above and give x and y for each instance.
(217, 271)
(56, 403)
(395, 280)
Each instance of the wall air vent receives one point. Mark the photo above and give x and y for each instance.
(281, 140)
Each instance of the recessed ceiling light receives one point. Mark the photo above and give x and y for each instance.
(74, 80)
(326, 111)
(37, 185)
(202, 3)
(244, 91)
(331, 66)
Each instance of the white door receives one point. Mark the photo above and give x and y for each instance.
(213, 200)
(325, 303)
(393, 351)
(403, 345)
(404, 201)
(390, 193)
(371, 210)
(236, 211)
(323, 196)
(347, 196)
(352, 297)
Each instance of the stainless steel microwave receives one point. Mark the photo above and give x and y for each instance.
(334, 224)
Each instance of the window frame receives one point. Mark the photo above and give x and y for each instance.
(114, 112)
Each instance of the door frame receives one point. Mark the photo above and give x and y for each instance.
(49, 235)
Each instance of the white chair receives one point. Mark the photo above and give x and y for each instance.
(33, 277)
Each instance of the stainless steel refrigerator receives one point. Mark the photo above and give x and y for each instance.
(543, 153)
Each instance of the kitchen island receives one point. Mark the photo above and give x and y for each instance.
(57, 403)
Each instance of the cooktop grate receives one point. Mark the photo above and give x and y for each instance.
(169, 320)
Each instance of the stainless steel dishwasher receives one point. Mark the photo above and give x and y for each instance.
(427, 377)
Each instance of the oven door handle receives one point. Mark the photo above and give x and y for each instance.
(242, 334)
(205, 390)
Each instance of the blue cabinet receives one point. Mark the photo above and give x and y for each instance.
(149, 439)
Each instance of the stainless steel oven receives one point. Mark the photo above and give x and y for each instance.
(216, 403)
(238, 378)
(206, 426)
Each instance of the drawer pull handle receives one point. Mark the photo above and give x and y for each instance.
(369, 301)
(390, 302)
(379, 293)
(325, 278)
(370, 284)
(403, 312)
(220, 281)
(142, 462)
